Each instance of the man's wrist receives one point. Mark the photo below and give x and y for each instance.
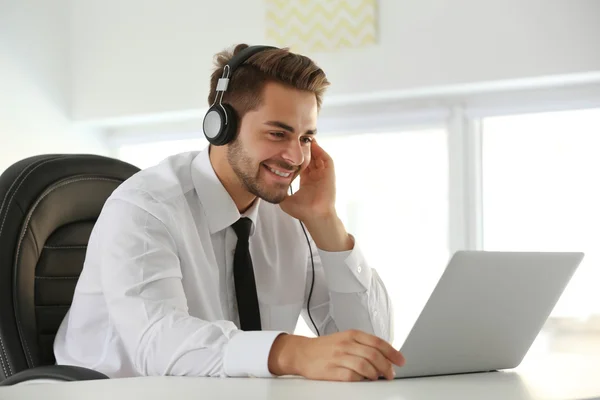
(329, 233)
(284, 354)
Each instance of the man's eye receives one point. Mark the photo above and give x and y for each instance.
(307, 139)
(277, 134)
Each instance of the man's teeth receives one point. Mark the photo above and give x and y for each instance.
(276, 172)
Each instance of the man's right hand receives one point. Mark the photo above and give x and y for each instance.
(344, 356)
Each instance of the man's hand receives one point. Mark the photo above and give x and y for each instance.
(315, 197)
(314, 203)
(344, 356)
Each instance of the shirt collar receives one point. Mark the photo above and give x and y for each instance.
(220, 209)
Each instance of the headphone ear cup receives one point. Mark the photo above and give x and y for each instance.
(213, 124)
(230, 129)
(216, 130)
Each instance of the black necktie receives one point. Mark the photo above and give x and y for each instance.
(243, 272)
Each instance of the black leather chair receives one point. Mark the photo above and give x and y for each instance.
(48, 207)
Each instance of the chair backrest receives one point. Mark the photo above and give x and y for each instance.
(48, 207)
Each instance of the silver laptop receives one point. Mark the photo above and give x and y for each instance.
(485, 312)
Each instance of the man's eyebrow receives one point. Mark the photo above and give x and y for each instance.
(288, 128)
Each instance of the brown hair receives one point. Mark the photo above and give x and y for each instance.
(276, 65)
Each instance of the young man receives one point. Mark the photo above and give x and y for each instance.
(200, 266)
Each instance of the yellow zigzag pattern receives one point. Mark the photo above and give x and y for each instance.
(310, 25)
(308, 11)
(310, 39)
(353, 27)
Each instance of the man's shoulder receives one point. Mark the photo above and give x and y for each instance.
(168, 181)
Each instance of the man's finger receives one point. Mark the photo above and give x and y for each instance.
(384, 347)
(347, 375)
(360, 365)
(318, 152)
(379, 361)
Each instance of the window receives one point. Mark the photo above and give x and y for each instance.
(541, 193)
(392, 194)
(144, 155)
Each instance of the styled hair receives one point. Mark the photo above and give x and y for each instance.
(245, 89)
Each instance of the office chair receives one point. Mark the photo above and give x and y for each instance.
(48, 207)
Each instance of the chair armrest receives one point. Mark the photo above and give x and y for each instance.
(64, 373)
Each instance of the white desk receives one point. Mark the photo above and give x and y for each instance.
(560, 376)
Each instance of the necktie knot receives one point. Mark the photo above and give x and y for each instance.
(242, 228)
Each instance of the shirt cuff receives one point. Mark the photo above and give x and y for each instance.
(346, 271)
(247, 354)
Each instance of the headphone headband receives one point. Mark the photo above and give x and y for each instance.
(243, 55)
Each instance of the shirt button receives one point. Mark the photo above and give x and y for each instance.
(359, 269)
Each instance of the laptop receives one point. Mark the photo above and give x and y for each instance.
(485, 311)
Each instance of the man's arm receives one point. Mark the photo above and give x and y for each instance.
(141, 280)
(352, 311)
(347, 293)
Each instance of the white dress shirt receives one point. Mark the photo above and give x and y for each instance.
(157, 297)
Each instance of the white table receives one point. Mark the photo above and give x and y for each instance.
(557, 376)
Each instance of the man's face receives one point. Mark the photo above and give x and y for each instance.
(273, 145)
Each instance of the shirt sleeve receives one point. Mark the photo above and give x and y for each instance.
(141, 281)
(347, 294)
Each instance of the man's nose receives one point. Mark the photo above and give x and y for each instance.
(293, 153)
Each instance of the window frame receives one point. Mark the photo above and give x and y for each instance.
(459, 109)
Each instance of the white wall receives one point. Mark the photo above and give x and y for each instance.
(35, 81)
(152, 56)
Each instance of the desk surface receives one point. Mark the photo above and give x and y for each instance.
(557, 376)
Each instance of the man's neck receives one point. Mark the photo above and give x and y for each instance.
(230, 181)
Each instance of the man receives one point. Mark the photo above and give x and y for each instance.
(200, 266)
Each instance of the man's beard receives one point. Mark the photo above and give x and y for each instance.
(243, 167)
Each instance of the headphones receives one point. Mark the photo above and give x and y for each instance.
(221, 121)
